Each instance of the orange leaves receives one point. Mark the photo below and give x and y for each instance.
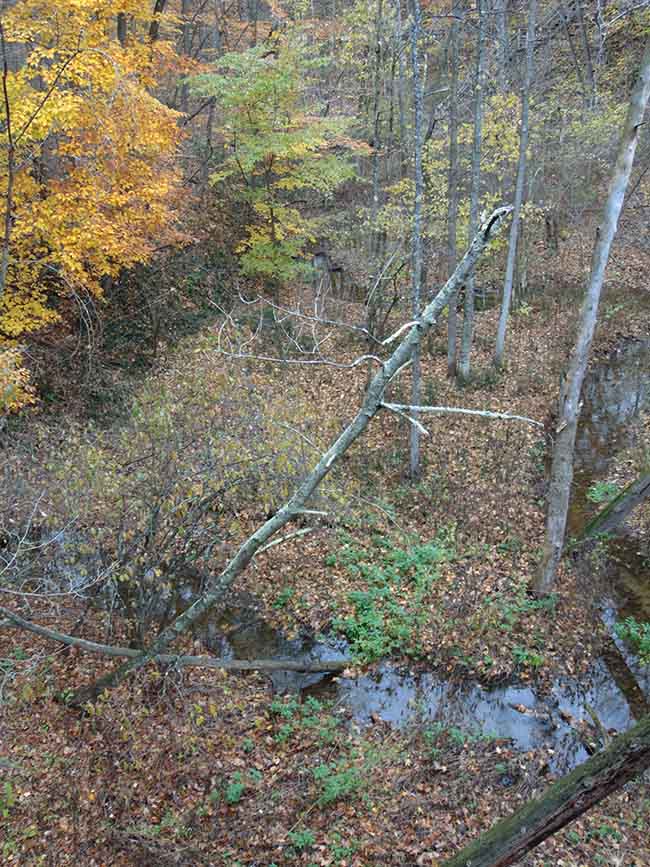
(95, 186)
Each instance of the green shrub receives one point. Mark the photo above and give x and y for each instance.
(526, 657)
(302, 840)
(603, 492)
(337, 780)
(235, 789)
(380, 624)
(638, 635)
(311, 714)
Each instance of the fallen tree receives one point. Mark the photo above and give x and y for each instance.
(619, 508)
(275, 664)
(571, 796)
(372, 403)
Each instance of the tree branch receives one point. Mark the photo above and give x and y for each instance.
(279, 664)
(402, 408)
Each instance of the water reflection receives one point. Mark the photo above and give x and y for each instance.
(560, 722)
(614, 691)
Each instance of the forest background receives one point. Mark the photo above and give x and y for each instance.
(218, 221)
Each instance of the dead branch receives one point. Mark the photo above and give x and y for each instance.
(279, 664)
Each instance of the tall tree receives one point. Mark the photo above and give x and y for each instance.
(519, 187)
(11, 165)
(569, 405)
(418, 99)
(464, 367)
(375, 235)
(88, 182)
(275, 151)
(453, 193)
(500, 10)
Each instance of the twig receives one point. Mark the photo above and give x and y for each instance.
(408, 418)
(302, 532)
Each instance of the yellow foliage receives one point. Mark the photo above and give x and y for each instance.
(95, 187)
(15, 389)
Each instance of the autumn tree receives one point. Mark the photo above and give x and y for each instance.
(87, 154)
(278, 156)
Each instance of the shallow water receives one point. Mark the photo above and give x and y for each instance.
(615, 691)
(614, 394)
(559, 722)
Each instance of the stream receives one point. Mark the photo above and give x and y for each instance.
(615, 689)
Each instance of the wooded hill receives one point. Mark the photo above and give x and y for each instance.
(298, 308)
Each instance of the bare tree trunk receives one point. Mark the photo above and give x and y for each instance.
(519, 188)
(401, 91)
(154, 26)
(501, 11)
(453, 193)
(11, 167)
(416, 31)
(376, 131)
(275, 664)
(586, 47)
(372, 403)
(122, 28)
(574, 54)
(186, 38)
(569, 410)
(571, 796)
(468, 309)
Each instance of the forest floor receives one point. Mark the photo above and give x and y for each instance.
(210, 768)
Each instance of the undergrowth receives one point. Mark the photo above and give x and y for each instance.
(387, 616)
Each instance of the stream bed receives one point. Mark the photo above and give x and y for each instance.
(611, 695)
(615, 690)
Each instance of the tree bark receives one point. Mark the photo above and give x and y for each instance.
(562, 463)
(401, 92)
(571, 796)
(418, 98)
(372, 403)
(519, 189)
(186, 47)
(586, 47)
(452, 194)
(464, 369)
(503, 48)
(154, 26)
(11, 168)
(375, 242)
(122, 28)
